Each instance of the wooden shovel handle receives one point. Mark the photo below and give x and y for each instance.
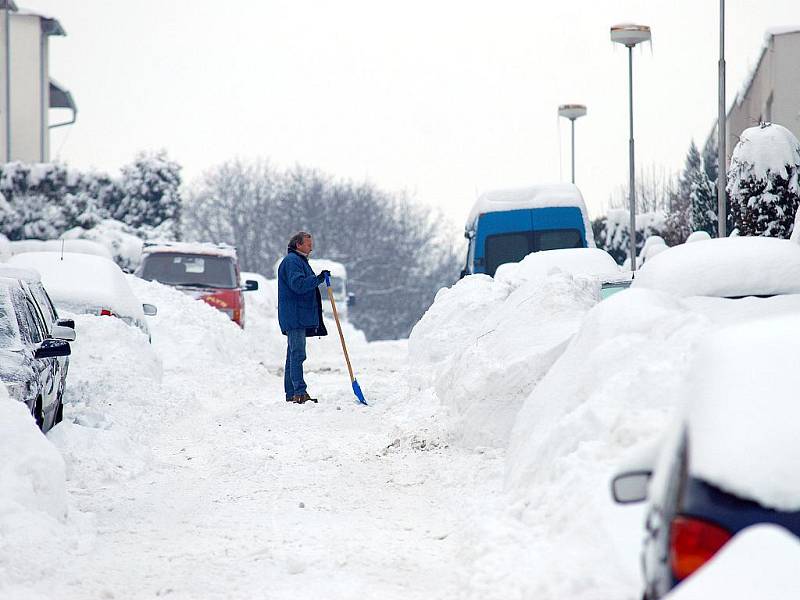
(341, 335)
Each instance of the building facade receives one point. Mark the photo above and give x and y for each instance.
(28, 96)
(772, 94)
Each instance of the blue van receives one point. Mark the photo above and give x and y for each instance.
(506, 225)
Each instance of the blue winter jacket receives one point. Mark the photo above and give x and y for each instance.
(299, 300)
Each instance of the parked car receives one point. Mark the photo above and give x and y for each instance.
(731, 458)
(55, 327)
(87, 284)
(506, 225)
(730, 268)
(29, 365)
(74, 246)
(208, 272)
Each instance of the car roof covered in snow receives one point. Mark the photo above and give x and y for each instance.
(725, 268)
(78, 246)
(83, 282)
(741, 388)
(20, 273)
(206, 248)
(535, 196)
(337, 269)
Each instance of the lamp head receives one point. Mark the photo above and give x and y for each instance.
(629, 35)
(571, 111)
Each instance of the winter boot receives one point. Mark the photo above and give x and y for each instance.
(297, 399)
(307, 398)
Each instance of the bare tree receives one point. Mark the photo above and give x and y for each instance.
(395, 254)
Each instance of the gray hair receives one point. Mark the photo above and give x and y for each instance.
(297, 239)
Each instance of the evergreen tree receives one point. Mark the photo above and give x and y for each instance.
(763, 181)
(150, 192)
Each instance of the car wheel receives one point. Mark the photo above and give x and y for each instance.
(59, 412)
(38, 415)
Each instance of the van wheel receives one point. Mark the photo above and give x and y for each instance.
(38, 415)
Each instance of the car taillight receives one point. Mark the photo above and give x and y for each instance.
(692, 543)
(104, 312)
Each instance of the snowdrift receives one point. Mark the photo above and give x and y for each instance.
(485, 343)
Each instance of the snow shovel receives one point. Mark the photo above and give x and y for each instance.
(356, 388)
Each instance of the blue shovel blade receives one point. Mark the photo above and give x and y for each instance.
(359, 394)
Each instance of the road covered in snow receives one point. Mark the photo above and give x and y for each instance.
(189, 476)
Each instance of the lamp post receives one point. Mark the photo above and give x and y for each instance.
(722, 169)
(630, 35)
(572, 112)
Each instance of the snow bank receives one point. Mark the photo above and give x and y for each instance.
(759, 562)
(33, 498)
(484, 343)
(728, 267)
(741, 389)
(611, 390)
(698, 236)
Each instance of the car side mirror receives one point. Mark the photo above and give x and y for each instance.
(630, 487)
(250, 285)
(60, 332)
(51, 348)
(150, 310)
(66, 323)
(351, 299)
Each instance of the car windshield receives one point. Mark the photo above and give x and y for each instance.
(9, 329)
(190, 270)
(513, 247)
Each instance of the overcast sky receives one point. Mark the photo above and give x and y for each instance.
(442, 99)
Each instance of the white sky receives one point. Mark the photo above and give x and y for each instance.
(443, 99)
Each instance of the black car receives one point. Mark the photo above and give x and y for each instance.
(728, 462)
(29, 355)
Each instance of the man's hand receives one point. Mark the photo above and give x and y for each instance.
(325, 273)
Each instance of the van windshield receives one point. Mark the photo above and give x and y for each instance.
(190, 269)
(513, 247)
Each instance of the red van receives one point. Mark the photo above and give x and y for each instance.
(209, 272)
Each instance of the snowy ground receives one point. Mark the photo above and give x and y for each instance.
(189, 476)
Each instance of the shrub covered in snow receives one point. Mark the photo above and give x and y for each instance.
(763, 181)
(612, 231)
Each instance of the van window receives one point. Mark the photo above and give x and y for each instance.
(505, 248)
(190, 269)
(555, 239)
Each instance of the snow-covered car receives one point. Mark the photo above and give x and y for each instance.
(208, 272)
(29, 365)
(87, 284)
(74, 246)
(729, 461)
(732, 268)
(55, 327)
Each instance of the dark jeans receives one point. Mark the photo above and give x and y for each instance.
(293, 382)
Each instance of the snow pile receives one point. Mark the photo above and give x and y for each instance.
(741, 389)
(484, 343)
(117, 237)
(759, 562)
(610, 391)
(728, 267)
(33, 499)
(698, 236)
(5, 245)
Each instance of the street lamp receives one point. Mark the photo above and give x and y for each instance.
(572, 112)
(630, 35)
